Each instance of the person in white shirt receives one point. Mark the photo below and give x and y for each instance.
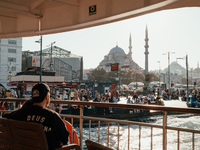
(57, 92)
(64, 94)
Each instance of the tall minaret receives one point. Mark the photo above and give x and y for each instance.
(146, 52)
(130, 47)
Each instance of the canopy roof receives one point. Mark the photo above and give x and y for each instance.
(56, 52)
(21, 18)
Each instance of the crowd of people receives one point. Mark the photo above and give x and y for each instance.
(3, 94)
(112, 96)
(86, 95)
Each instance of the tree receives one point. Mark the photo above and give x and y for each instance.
(125, 77)
(129, 76)
(153, 77)
(98, 75)
(198, 82)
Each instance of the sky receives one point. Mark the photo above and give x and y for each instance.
(176, 30)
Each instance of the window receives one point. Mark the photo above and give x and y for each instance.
(11, 50)
(11, 59)
(13, 68)
(12, 42)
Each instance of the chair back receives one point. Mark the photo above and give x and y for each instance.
(6, 140)
(28, 135)
(91, 145)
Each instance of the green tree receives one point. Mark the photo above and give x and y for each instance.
(98, 75)
(129, 76)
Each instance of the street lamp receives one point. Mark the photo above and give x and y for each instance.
(191, 69)
(169, 82)
(10, 71)
(135, 79)
(159, 73)
(186, 58)
(51, 62)
(40, 41)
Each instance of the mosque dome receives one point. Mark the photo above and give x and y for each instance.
(116, 50)
(104, 60)
(119, 59)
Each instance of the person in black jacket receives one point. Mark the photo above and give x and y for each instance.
(35, 110)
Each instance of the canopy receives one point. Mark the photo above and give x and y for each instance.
(21, 18)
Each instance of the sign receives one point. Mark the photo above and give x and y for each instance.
(29, 89)
(92, 10)
(127, 66)
(74, 83)
(114, 67)
(113, 84)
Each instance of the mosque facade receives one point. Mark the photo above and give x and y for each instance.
(118, 55)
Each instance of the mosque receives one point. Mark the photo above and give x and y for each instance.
(117, 55)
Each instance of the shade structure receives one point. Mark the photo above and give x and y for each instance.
(22, 18)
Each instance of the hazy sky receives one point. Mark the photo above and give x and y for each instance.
(172, 30)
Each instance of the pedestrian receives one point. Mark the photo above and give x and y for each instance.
(79, 93)
(134, 94)
(74, 108)
(54, 127)
(64, 95)
(57, 107)
(57, 92)
(72, 94)
(114, 94)
(14, 94)
(76, 95)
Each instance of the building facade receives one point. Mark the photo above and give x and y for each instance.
(10, 58)
(118, 55)
(57, 59)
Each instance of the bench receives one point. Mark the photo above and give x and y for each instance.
(20, 135)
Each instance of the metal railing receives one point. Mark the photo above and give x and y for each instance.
(164, 126)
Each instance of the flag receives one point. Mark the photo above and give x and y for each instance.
(34, 60)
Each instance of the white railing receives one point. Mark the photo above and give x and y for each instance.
(164, 126)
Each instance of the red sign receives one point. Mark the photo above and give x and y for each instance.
(114, 84)
(74, 83)
(114, 67)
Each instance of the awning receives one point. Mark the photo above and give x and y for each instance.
(21, 18)
(30, 83)
(51, 84)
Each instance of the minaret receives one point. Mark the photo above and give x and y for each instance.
(130, 47)
(146, 52)
(198, 65)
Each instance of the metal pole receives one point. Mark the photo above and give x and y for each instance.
(159, 73)
(164, 130)
(136, 80)
(187, 74)
(41, 59)
(119, 75)
(51, 59)
(164, 78)
(169, 75)
(81, 126)
(191, 75)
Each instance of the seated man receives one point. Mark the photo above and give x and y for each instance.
(37, 111)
